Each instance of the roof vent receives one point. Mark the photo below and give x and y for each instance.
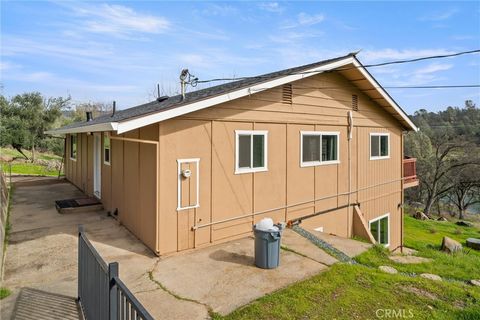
(354, 102)
(162, 98)
(89, 116)
(287, 93)
(114, 108)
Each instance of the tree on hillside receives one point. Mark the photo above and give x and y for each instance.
(25, 117)
(448, 143)
(466, 188)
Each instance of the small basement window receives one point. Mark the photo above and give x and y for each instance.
(106, 148)
(251, 151)
(379, 146)
(380, 229)
(73, 146)
(319, 148)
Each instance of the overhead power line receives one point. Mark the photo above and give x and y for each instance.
(423, 58)
(434, 87)
(349, 68)
(384, 87)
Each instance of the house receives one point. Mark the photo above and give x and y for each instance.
(320, 143)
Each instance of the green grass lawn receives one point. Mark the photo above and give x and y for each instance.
(32, 169)
(358, 291)
(28, 168)
(426, 237)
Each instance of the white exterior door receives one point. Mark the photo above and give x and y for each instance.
(97, 165)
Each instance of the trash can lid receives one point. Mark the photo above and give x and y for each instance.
(265, 224)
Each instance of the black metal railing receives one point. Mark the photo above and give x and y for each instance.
(101, 293)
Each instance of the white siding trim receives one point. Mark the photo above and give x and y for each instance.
(378, 134)
(387, 215)
(384, 94)
(238, 133)
(179, 183)
(109, 162)
(319, 163)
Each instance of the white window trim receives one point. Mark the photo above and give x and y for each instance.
(319, 163)
(379, 134)
(238, 133)
(387, 215)
(179, 183)
(107, 135)
(76, 147)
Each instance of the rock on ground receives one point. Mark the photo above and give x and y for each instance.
(431, 276)
(464, 223)
(442, 219)
(473, 243)
(474, 283)
(420, 216)
(388, 269)
(451, 246)
(405, 252)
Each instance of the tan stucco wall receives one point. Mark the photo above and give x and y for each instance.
(128, 184)
(80, 170)
(209, 134)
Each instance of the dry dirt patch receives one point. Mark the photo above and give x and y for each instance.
(419, 292)
(409, 259)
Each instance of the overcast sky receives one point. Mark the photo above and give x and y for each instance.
(104, 51)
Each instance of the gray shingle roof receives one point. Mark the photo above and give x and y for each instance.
(198, 95)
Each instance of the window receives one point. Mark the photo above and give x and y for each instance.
(251, 151)
(73, 146)
(106, 148)
(379, 146)
(380, 229)
(319, 148)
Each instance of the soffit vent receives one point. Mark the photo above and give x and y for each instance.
(287, 93)
(354, 102)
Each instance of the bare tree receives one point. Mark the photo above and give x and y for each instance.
(446, 156)
(466, 189)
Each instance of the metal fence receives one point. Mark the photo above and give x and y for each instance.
(101, 293)
(4, 204)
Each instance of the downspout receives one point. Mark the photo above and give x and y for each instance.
(402, 173)
(349, 139)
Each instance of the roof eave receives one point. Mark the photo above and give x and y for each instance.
(107, 126)
(409, 123)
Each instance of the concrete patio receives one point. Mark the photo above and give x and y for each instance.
(42, 255)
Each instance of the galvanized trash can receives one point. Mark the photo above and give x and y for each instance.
(267, 246)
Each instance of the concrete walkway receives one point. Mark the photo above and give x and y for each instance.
(41, 259)
(224, 277)
(42, 252)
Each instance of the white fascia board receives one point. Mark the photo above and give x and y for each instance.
(108, 126)
(175, 112)
(385, 95)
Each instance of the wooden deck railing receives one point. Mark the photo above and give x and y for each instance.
(410, 169)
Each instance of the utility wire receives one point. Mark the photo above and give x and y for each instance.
(348, 68)
(384, 87)
(423, 58)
